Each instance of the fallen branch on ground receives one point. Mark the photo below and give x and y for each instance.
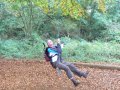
(111, 67)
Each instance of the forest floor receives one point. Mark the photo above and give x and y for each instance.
(39, 75)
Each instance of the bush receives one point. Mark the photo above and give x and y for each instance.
(26, 48)
(113, 33)
(91, 51)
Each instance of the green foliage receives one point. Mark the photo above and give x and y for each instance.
(58, 27)
(112, 34)
(27, 48)
(113, 10)
(73, 50)
(91, 51)
(25, 24)
(20, 20)
(7, 21)
(92, 28)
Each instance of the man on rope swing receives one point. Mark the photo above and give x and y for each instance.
(53, 54)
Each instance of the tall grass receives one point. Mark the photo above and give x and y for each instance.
(91, 51)
(74, 50)
(25, 48)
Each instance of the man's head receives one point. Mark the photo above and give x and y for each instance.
(50, 43)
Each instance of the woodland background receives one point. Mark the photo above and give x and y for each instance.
(90, 29)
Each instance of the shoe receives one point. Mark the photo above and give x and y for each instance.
(75, 82)
(85, 74)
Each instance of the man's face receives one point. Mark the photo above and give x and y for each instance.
(50, 43)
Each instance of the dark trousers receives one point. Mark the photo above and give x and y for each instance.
(69, 68)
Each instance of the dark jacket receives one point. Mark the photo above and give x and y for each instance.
(59, 50)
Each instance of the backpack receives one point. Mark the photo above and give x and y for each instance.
(46, 55)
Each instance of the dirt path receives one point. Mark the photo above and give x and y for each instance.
(35, 75)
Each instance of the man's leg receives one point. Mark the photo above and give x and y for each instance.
(65, 68)
(68, 72)
(75, 70)
(58, 64)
